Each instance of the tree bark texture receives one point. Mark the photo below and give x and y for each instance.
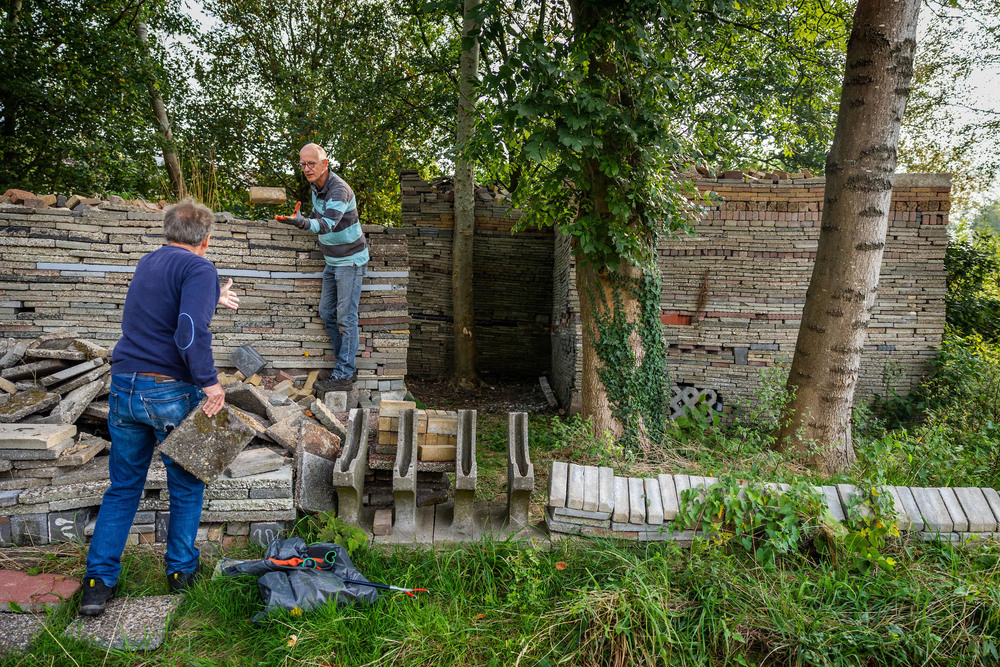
(844, 283)
(170, 159)
(463, 306)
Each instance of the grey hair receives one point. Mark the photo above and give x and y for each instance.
(187, 222)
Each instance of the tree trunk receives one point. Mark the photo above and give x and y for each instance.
(845, 277)
(463, 308)
(170, 159)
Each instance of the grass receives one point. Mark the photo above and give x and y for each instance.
(600, 603)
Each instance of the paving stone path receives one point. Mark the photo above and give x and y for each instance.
(592, 501)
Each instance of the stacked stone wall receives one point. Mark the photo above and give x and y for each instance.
(512, 286)
(71, 269)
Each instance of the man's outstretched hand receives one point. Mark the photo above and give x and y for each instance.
(227, 298)
(296, 219)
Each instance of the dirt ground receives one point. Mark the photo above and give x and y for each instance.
(492, 396)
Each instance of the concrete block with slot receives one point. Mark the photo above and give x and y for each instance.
(466, 471)
(205, 446)
(248, 360)
(350, 469)
(520, 471)
(404, 474)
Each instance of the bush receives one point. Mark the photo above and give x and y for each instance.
(973, 299)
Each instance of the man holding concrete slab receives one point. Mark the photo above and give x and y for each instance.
(161, 369)
(335, 219)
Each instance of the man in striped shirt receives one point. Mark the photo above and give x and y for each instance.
(335, 220)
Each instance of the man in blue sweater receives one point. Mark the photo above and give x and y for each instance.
(335, 219)
(161, 369)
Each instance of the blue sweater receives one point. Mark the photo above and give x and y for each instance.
(169, 305)
(335, 218)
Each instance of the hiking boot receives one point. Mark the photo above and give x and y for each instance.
(336, 384)
(178, 582)
(95, 596)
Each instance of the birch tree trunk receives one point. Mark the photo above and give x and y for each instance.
(462, 273)
(170, 159)
(844, 283)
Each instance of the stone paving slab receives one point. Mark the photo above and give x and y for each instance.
(591, 488)
(75, 402)
(204, 445)
(18, 631)
(977, 510)
(833, 502)
(24, 404)
(993, 500)
(566, 512)
(903, 522)
(606, 484)
(958, 518)
(636, 501)
(914, 518)
(81, 380)
(128, 624)
(34, 593)
(620, 511)
(668, 496)
(681, 483)
(575, 487)
(34, 436)
(71, 372)
(558, 480)
(253, 462)
(654, 504)
(936, 517)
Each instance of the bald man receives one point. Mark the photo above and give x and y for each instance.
(335, 220)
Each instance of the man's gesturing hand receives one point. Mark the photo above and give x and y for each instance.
(296, 220)
(228, 298)
(216, 399)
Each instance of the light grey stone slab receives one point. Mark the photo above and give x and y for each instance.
(936, 517)
(249, 398)
(66, 492)
(94, 470)
(847, 493)
(253, 515)
(833, 502)
(281, 478)
(620, 512)
(993, 500)
(558, 526)
(128, 624)
(636, 501)
(33, 370)
(898, 510)
(50, 454)
(34, 436)
(629, 527)
(253, 462)
(273, 493)
(71, 372)
(564, 513)
(668, 496)
(681, 483)
(326, 417)
(698, 482)
(606, 482)
(248, 505)
(314, 490)
(81, 380)
(205, 446)
(575, 489)
(23, 404)
(591, 488)
(654, 504)
(76, 503)
(18, 631)
(977, 510)
(9, 498)
(958, 518)
(558, 480)
(583, 521)
(336, 401)
(75, 402)
(28, 530)
(916, 520)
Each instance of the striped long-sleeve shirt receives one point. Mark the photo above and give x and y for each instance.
(335, 219)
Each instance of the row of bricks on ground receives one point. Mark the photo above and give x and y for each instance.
(588, 495)
(38, 529)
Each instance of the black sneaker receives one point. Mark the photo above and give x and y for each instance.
(336, 384)
(178, 582)
(95, 596)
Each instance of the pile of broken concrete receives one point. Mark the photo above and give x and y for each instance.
(75, 202)
(54, 443)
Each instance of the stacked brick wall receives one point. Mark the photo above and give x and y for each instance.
(63, 269)
(733, 291)
(512, 287)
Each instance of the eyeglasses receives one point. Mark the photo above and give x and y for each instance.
(308, 165)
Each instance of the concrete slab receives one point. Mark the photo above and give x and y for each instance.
(325, 416)
(620, 512)
(636, 501)
(591, 488)
(128, 624)
(555, 524)
(558, 482)
(204, 445)
(977, 510)
(654, 503)
(80, 380)
(848, 493)
(318, 441)
(668, 496)
(915, 522)
(960, 521)
(248, 398)
(936, 517)
(253, 462)
(285, 433)
(575, 488)
(34, 436)
(67, 492)
(17, 632)
(71, 372)
(898, 510)
(75, 402)
(33, 370)
(313, 482)
(20, 591)
(606, 482)
(566, 514)
(993, 500)
(86, 448)
(681, 484)
(28, 530)
(336, 401)
(24, 404)
(95, 470)
(13, 355)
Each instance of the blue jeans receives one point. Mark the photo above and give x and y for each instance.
(338, 307)
(142, 410)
